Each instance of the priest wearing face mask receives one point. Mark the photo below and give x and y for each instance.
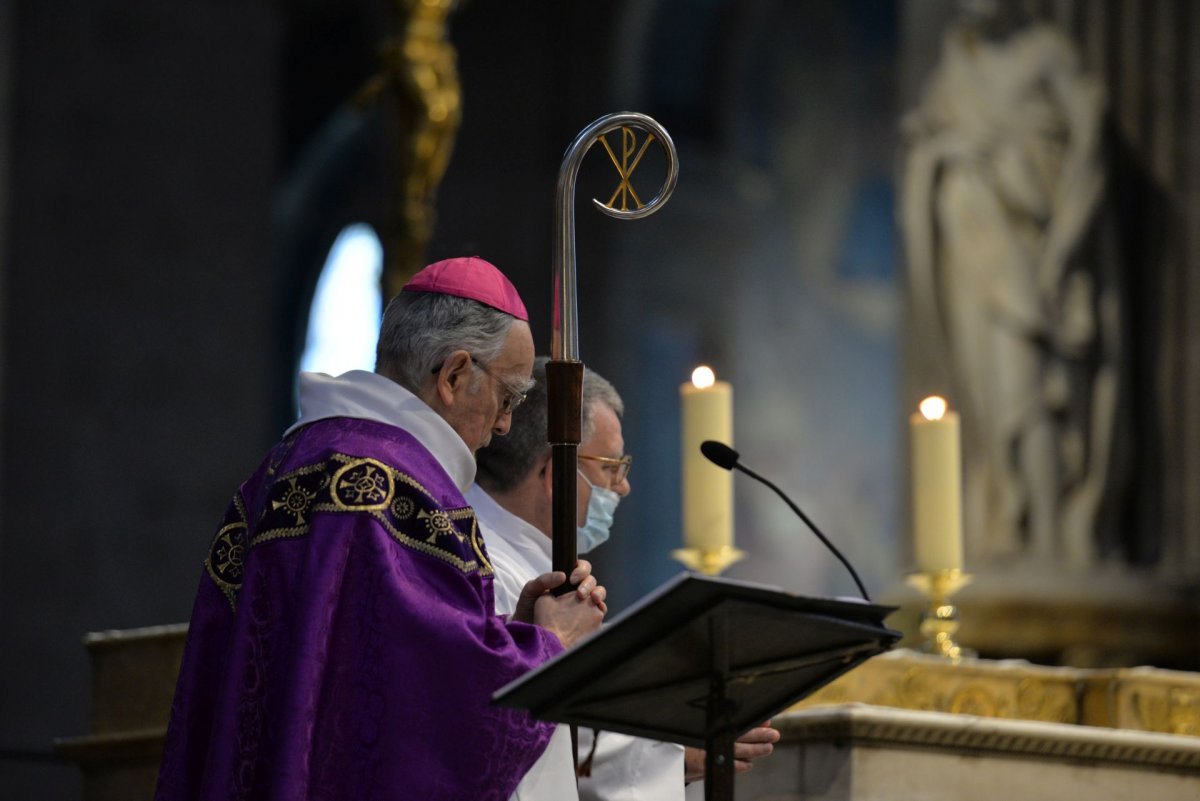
(513, 500)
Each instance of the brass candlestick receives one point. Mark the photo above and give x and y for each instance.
(710, 562)
(939, 622)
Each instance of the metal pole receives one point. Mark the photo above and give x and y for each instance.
(564, 372)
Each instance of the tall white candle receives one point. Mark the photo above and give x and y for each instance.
(707, 406)
(937, 487)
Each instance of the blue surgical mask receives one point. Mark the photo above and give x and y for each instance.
(601, 506)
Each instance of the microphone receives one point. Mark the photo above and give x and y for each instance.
(726, 457)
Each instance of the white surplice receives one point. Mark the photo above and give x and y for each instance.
(624, 768)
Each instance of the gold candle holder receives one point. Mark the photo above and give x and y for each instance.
(706, 561)
(940, 621)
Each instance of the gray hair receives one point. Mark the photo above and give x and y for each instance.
(421, 329)
(506, 462)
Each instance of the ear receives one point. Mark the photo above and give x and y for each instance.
(454, 377)
(545, 468)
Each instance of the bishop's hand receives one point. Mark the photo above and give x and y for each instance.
(571, 616)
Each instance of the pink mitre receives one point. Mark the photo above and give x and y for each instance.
(473, 278)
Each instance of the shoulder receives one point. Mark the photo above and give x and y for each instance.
(418, 508)
(349, 435)
(340, 486)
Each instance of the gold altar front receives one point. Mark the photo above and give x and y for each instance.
(133, 674)
(1138, 699)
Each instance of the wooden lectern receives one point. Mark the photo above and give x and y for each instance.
(701, 660)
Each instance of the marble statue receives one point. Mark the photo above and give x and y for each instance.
(1003, 181)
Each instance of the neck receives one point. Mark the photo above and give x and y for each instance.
(525, 501)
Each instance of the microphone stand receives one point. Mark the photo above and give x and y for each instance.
(810, 524)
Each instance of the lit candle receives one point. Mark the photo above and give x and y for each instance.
(707, 489)
(937, 487)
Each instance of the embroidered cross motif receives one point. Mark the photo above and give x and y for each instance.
(296, 501)
(363, 484)
(226, 558)
(228, 549)
(439, 523)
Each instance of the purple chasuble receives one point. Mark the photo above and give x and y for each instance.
(343, 644)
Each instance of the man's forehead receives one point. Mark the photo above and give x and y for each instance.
(520, 341)
(516, 353)
(516, 357)
(606, 429)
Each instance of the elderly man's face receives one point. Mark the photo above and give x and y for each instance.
(606, 441)
(482, 411)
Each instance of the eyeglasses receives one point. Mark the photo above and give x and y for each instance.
(513, 397)
(619, 467)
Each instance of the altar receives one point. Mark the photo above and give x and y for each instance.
(901, 726)
(857, 752)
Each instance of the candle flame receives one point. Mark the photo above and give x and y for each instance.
(703, 377)
(933, 407)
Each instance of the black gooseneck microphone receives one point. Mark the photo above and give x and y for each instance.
(724, 456)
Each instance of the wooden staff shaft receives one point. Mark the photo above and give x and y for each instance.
(564, 397)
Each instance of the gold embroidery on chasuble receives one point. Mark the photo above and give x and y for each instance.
(296, 500)
(290, 501)
(346, 484)
(475, 537)
(403, 507)
(478, 547)
(438, 523)
(227, 552)
(363, 485)
(442, 523)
